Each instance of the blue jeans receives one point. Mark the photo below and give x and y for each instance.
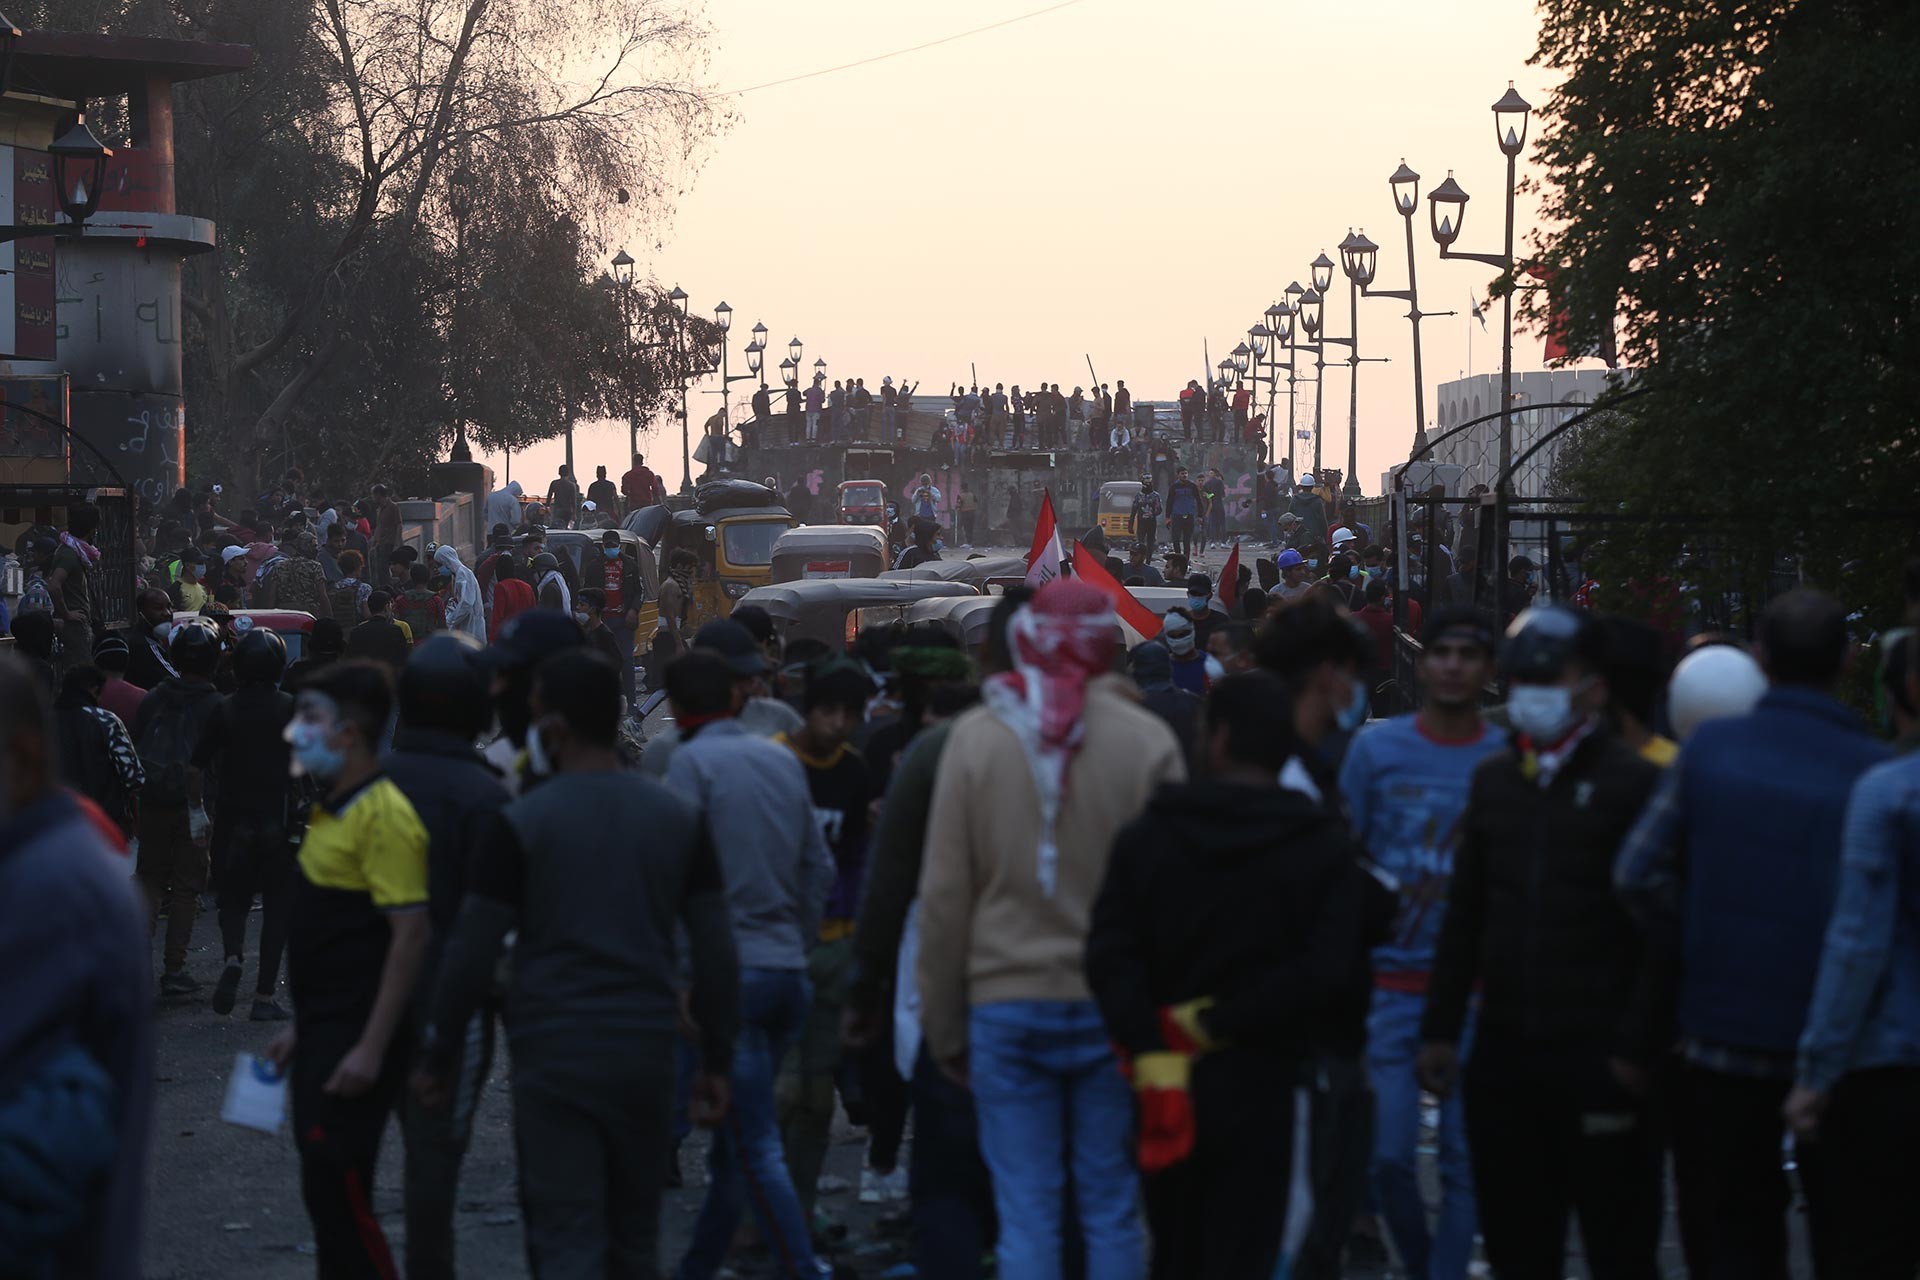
(1050, 1096)
(953, 1222)
(1393, 1041)
(747, 1163)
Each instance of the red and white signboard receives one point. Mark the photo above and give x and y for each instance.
(27, 326)
(828, 569)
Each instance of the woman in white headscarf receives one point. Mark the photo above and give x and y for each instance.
(465, 612)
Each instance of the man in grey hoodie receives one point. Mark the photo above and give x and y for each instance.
(777, 870)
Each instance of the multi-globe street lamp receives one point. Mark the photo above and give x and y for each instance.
(1405, 185)
(1447, 208)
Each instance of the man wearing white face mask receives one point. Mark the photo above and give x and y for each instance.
(357, 935)
(1572, 996)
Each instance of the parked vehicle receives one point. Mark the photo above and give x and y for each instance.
(829, 551)
(834, 610)
(863, 502)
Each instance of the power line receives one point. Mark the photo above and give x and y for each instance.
(882, 57)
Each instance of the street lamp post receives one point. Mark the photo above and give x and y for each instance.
(1405, 185)
(623, 275)
(1311, 311)
(1359, 262)
(678, 297)
(1510, 132)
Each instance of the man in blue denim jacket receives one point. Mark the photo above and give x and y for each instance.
(1857, 1087)
(1734, 861)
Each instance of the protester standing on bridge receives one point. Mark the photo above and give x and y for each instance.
(1184, 502)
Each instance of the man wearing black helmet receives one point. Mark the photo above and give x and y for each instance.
(443, 710)
(174, 826)
(244, 746)
(1570, 1017)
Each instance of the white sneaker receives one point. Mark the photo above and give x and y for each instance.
(873, 1187)
(896, 1184)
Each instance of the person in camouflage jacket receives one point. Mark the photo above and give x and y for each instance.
(298, 582)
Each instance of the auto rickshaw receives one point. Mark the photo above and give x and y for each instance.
(976, 572)
(863, 502)
(965, 618)
(1115, 517)
(732, 548)
(833, 610)
(829, 551)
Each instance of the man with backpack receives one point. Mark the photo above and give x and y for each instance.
(174, 827)
(244, 747)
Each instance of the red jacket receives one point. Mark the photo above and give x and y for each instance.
(511, 597)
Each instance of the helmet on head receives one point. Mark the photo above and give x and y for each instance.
(260, 658)
(445, 685)
(1542, 641)
(1711, 684)
(195, 648)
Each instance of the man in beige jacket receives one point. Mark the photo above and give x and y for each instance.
(1033, 787)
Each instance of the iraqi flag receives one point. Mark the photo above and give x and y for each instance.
(1229, 587)
(1043, 558)
(1092, 570)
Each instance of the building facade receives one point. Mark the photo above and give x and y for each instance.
(1477, 449)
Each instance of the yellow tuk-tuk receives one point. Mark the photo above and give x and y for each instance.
(732, 549)
(1116, 509)
(829, 551)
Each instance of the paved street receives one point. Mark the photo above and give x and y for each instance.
(225, 1201)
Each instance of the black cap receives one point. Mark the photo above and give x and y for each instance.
(1199, 584)
(193, 555)
(534, 635)
(734, 643)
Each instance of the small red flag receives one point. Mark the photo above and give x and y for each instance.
(1043, 559)
(1092, 570)
(1228, 588)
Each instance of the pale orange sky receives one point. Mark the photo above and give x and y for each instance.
(1119, 177)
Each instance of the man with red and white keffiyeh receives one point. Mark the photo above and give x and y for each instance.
(1033, 786)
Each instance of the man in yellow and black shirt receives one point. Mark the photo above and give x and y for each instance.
(358, 932)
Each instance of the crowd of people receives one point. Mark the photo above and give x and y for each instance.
(997, 416)
(1159, 953)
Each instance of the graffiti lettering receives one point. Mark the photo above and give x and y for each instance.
(167, 333)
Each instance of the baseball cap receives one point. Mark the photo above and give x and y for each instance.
(1307, 480)
(1289, 558)
(733, 642)
(1199, 584)
(230, 554)
(193, 555)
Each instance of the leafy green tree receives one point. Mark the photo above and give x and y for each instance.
(1733, 183)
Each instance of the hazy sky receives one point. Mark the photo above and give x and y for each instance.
(1117, 178)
